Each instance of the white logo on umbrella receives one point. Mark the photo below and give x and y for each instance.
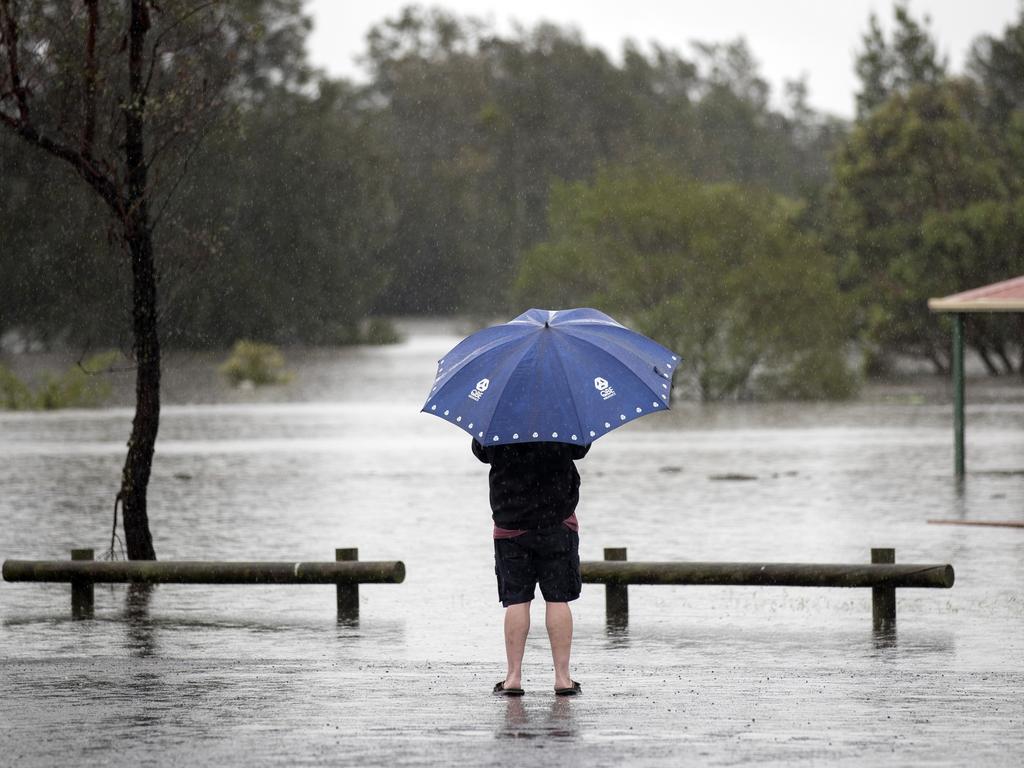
(602, 386)
(478, 391)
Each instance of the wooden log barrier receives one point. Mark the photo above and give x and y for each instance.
(82, 572)
(883, 576)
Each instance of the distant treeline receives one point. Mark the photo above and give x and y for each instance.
(467, 175)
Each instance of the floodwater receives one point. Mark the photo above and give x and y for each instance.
(341, 457)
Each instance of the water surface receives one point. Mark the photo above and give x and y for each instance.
(342, 457)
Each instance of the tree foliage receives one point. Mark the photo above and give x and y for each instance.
(480, 125)
(926, 197)
(897, 64)
(315, 205)
(718, 272)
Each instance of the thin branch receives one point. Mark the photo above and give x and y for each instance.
(89, 91)
(177, 182)
(167, 30)
(104, 186)
(22, 125)
(9, 30)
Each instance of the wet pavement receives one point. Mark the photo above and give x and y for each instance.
(193, 675)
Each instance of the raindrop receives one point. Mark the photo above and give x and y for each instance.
(495, 438)
(607, 425)
(470, 425)
(433, 407)
(654, 405)
(459, 418)
(639, 409)
(535, 434)
(554, 434)
(593, 433)
(446, 413)
(622, 417)
(515, 436)
(480, 434)
(574, 437)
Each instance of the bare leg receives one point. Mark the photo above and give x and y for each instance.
(558, 618)
(517, 627)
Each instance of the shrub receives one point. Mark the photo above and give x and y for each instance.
(256, 363)
(14, 393)
(80, 386)
(380, 331)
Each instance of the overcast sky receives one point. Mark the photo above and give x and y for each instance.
(816, 39)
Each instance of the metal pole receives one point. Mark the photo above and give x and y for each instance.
(348, 594)
(616, 596)
(958, 394)
(883, 599)
(82, 592)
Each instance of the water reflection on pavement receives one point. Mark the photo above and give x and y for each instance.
(710, 675)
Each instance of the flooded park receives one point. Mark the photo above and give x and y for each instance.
(342, 457)
(250, 252)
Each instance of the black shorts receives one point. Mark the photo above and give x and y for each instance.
(550, 556)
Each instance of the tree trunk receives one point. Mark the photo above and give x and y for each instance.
(982, 351)
(937, 360)
(142, 443)
(1004, 357)
(139, 240)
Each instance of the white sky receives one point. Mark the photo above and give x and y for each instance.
(817, 39)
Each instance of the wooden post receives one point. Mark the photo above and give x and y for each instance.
(348, 594)
(883, 599)
(616, 596)
(82, 591)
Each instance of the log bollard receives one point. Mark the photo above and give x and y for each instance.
(347, 572)
(348, 594)
(616, 596)
(82, 592)
(883, 599)
(882, 575)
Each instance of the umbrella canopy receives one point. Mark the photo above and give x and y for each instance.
(566, 376)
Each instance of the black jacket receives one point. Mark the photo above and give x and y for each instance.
(533, 485)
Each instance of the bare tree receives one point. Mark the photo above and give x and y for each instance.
(121, 91)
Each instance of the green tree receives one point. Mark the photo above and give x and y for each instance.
(298, 204)
(480, 124)
(997, 62)
(719, 273)
(119, 93)
(894, 66)
(65, 283)
(912, 184)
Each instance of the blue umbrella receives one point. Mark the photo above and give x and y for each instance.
(566, 376)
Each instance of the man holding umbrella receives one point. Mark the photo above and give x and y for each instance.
(534, 393)
(534, 492)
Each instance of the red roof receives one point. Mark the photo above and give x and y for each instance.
(1007, 296)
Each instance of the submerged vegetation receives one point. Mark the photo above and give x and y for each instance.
(83, 385)
(254, 364)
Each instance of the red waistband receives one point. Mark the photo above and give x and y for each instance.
(510, 533)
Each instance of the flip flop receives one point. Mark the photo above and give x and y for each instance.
(501, 690)
(576, 690)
